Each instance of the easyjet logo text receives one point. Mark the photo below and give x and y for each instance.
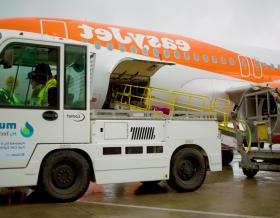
(141, 40)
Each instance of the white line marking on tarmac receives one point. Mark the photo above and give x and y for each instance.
(170, 209)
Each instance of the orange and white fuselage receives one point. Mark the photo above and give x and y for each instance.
(200, 67)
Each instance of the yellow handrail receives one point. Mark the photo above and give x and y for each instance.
(222, 106)
(172, 100)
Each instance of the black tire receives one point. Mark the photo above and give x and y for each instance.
(65, 176)
(227, 156)
(250, 173)
(187, 170)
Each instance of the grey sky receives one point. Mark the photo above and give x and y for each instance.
(249, 22)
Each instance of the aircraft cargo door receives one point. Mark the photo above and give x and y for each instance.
(134, 72)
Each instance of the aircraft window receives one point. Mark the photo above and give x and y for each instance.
(223, 60)
(110, 46)
(75, 77)
(205, 58)
(156, 52)
(176, 54)
(186, 55)
(145, 51)
(97, 45)
(121, 47)
(166, 53)
(133, 49)
(231, 61)
(196, 57)
(214, 59)
(29, 76)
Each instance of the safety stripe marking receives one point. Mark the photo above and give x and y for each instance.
(170, 209)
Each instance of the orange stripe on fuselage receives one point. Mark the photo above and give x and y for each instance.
(176, 45)
(21, 24)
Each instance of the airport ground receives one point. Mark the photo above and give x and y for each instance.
(224, 194)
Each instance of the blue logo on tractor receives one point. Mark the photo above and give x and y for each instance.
(27, 131)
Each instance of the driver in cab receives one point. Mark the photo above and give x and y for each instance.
(44, 86)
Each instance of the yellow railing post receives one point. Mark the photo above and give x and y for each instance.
(173, 102)
(148, 98)
(129, 95)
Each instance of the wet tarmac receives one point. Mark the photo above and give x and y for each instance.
(224, 194)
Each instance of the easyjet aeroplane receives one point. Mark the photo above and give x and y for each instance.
(138, 57)
(199, 65)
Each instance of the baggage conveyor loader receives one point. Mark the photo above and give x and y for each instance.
(256, 123)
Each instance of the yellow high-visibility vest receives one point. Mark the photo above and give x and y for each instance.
(43, 94)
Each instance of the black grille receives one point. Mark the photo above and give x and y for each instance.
(143, 133)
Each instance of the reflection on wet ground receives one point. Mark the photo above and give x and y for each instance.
(224, 194)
